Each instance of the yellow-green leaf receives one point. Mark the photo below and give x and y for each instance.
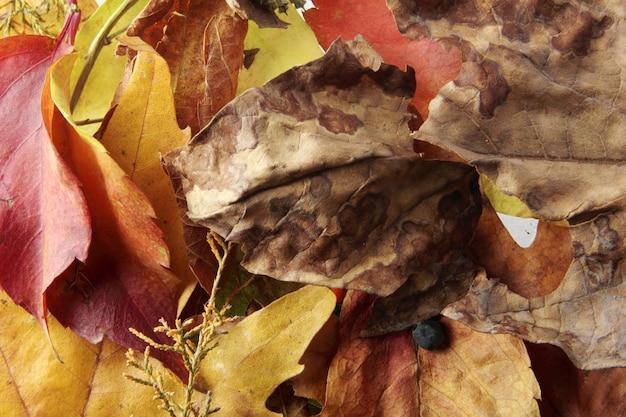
(98, 73)
(278, 50)
(263, 351)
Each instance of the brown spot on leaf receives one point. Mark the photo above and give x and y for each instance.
(357, 222)
(577, 29)
(336, 121)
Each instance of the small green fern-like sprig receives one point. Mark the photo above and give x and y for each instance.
(191, 340)
(21, 16)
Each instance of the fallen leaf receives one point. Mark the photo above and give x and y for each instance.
(125, 281)
(312, 174)
(272, 51)
(203, 46)
(98, 71)
(433, 65)
(44, 222)
(87, 382)
(250, 361)
(477, 374)
(376, 376)
(569, 391)
(142, 126)
(538, 109)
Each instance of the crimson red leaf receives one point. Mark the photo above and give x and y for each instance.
(44, 222)
(433, 66)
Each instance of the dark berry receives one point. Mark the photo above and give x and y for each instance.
(429, 334)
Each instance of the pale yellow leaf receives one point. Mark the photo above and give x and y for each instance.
(263, 350)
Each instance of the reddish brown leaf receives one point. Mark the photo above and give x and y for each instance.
(203, 45)
(567, 391)
(532, 272)
(44, 222)
(432, 64)
(375, 376)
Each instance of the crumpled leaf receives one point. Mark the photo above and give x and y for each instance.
(312, 174)
(44, 222)
(88, 382)
(203, 46)
(125, 281)
(538, 108)
(250, 361)
(433, 65)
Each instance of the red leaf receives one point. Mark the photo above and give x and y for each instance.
(44, 222)
(370, 376)
(433, 66)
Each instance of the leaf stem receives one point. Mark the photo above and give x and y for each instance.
(101, 39)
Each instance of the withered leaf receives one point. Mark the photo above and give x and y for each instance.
(315, 176)
(584, 315)
(539, 108)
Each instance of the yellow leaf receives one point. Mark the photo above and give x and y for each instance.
(479, 374)
(142, 127)
(89, 381)
(278, 49)
(102, 69)
(263, 351)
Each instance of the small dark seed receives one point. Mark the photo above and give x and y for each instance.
(429, 334)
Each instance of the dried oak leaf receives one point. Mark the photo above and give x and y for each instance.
(313, 174)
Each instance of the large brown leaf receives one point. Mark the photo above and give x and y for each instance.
(538, 108)
(315, 176)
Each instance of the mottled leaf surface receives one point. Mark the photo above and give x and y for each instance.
(313, 174)
(434, 66)
(539, 109)
(44, 222)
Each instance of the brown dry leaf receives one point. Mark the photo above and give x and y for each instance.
(250, 361)
(315, 176)
(203, 45)
(539, 108)
(477, 375)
